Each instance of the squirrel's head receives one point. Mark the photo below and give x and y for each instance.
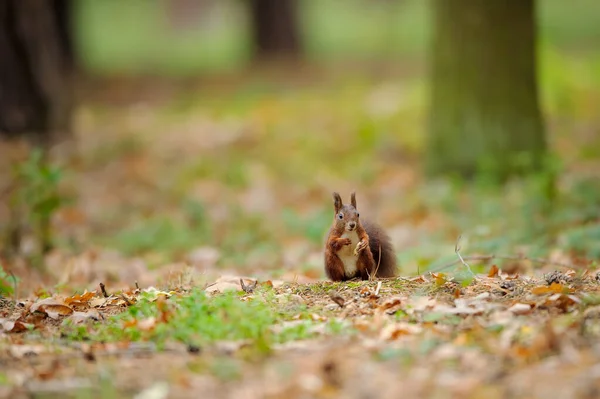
(346, 216)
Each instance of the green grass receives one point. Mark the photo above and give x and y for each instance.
(197, 319)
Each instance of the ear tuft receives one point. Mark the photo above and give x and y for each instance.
(353, 200)
(337, 202)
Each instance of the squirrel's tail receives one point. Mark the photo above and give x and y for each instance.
(382, 250)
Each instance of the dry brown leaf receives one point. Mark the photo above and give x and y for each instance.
(520, 308)
(562, 301)
(228, 283)
(99, 302)
(365, 291)
(337, 298)
(554, 288)
(418, 279)
(80, 300)
(396, 330)
(53, 307)
(20, 351)
(493, 271)
(390, 305)
(440, 279)
(14, 326)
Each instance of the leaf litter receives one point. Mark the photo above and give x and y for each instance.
(478, 341)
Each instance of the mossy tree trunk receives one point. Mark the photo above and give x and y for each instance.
(484, 113)
(275, 28)
(35, 93)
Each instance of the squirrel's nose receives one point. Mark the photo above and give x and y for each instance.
(352, 225)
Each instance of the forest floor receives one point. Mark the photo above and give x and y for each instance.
(426, 336)
(173, 193)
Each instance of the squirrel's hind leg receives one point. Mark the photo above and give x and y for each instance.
(334, 267)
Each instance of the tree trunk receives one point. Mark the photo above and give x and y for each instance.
(275, 28)
(484, 114)
(63, 9)
(35, 94)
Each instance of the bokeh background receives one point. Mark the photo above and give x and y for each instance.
(206, 137)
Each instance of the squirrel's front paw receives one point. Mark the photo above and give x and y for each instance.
(345, 241)
(360, 246)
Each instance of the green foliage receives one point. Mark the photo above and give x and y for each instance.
(7, 283)
(313, 226)
(35, 198)
(38, 189)
(530, 215)
(172, 235)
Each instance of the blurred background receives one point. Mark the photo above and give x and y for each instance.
(206, 136)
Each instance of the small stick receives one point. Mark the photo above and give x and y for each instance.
(378, 288)
(137, 286)
(103, 288)
(371, 277)
(457, 249)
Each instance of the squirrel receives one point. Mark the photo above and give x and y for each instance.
(356, 249)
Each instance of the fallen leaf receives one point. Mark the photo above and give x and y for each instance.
(390, 305)
(228, 283)
(554, 288)
(14, 326)
(493, 271)
(396, 330)
(520, 308)
(20, 351)
(98, 302)
(80, 299)
(53, 307)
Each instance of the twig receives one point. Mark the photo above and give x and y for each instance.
(103, 288)
(378, 288)
(457, 249)
(137, 286)
(371, 277)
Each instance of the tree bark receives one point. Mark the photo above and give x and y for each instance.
(275, 28)
(484, 111)
(35, 91)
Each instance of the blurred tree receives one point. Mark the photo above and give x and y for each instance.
(484, 111)
(275, 28)
(35, 94)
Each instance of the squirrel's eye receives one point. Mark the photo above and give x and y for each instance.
(357, 214)
(340, 215)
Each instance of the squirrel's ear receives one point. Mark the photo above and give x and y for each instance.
(353, 200)
(337, 202)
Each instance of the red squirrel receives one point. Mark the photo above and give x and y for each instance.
(356, 249)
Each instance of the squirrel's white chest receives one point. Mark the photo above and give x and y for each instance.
(346, 254)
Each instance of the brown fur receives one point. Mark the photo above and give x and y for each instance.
(375, 258)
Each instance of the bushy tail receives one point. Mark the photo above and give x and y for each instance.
(382, 250)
